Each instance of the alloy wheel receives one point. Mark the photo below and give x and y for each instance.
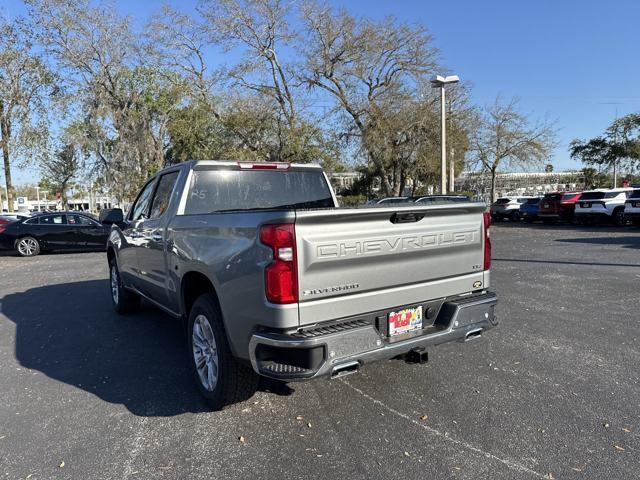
(114, 284)
(205, 352)
(27, 246)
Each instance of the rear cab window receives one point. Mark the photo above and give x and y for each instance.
(219, 190)
(635, 194)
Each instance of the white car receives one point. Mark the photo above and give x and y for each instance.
(507, 207)
(632, 208)
(605, 204)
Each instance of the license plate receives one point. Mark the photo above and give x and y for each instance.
(545, 206)
(586, 205)
(405, 320)
(636, 204)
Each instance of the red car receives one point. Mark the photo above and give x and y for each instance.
(558, 206)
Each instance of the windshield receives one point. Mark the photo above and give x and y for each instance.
(228, 190)
(502, 201)
(532, 201)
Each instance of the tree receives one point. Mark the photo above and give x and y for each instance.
(504, 137)
(60, 169)
(366, 66)
(619, 143)
(122, 103)
(25, 85)
(259, 28)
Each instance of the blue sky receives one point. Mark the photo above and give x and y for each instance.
(575, 61)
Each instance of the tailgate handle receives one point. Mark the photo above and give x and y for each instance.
(408, 217)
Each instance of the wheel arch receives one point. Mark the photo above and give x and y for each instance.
(193, 284)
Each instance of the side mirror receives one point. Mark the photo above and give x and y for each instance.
(110, 216)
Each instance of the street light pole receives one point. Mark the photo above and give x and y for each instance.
(439, 82)
(452, 173)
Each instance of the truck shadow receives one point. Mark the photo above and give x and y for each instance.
(70, 333)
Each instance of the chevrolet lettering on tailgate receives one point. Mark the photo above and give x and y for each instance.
(353, 248)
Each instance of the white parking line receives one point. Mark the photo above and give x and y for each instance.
(509, 463)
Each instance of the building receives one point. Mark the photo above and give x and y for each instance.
(519, 183)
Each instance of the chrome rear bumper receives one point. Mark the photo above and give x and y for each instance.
(351, 344)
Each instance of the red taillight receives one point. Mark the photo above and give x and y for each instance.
(2, 228)
(487, 241)
(281, 275)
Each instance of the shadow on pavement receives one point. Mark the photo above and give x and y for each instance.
(70, 333)
(626, 242)
(566, 227)
(565, 262)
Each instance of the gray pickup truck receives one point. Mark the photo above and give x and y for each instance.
(272, 278)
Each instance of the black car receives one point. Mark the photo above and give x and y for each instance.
(54, 231)
(438, 199)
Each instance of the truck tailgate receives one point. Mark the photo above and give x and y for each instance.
(352, 261)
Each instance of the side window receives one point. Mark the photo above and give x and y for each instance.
(79, 220)
(141, 207)
(52, 220)
(163, 194)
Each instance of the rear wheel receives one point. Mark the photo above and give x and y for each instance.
(221, 378)
(123, 300)
(618, 217)
(27, 246)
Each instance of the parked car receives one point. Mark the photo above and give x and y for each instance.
(529, 209)
(271, 278)
(389, 200)
(54, 231)
(602, 205)
(8, 218)
(439, 199)
(559, 206)
(632, 208)
(507, 207)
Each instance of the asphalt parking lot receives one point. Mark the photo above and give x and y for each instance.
(553, 392)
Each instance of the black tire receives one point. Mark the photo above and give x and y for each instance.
(123, 300)
(635, 222)
(235, 382)
(27, 246)
(618, 217)
(528, 219)
(514, 216)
